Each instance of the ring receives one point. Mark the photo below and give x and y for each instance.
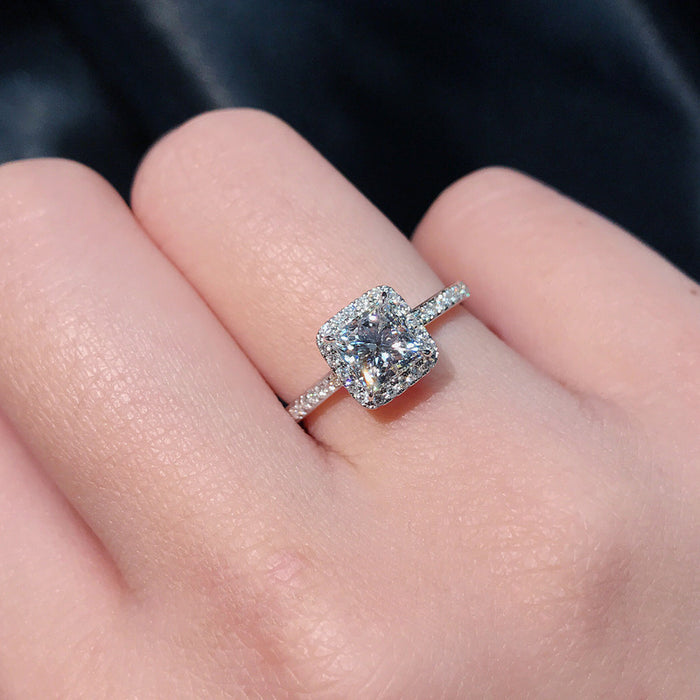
(377, 347)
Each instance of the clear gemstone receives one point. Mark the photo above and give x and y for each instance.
(377, 347)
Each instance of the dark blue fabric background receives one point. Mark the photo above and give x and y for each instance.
(600, 98)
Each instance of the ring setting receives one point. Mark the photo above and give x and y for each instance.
(377, 347)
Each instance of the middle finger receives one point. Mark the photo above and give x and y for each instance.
(124, 385)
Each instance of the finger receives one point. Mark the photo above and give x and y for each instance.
(575, 294)
(277, 241)
(58, 589)
(122, 382)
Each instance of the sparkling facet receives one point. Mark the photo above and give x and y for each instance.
(377, 347)
(415, 323)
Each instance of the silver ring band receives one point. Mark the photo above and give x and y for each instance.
(422, 314)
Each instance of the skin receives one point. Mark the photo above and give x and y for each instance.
(523, 523)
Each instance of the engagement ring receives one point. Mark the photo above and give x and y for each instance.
(377, 347)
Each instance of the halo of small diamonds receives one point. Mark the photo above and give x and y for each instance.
(422, 314)
(377, 347)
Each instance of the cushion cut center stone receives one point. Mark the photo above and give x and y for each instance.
(376, 347)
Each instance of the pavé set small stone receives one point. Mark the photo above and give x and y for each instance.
(377, 347)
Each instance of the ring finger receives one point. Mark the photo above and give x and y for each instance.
(277, 241)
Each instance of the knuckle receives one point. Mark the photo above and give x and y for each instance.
(580, 586)
(486, 183)
(491, 184)
(279, 605)
(209, 138)
(480, 193)
(492, 177)
(215, 161)
(36, 199)
(23, 183)
(241, 122)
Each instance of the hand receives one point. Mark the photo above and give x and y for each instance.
(524, 522)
